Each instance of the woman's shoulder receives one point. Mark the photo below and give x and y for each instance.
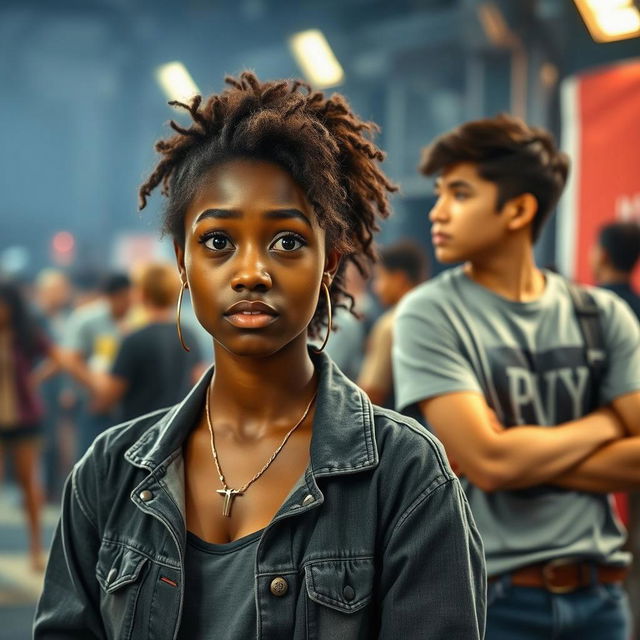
(407, 446)
(106, 456)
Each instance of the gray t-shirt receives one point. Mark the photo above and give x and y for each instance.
(220, 600)
(92, 332)
(528, 360)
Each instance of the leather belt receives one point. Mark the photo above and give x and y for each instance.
(564, 575)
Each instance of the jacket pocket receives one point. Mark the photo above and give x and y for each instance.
(339, 592)
(120, 571)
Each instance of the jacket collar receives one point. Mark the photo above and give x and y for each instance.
(343, 439)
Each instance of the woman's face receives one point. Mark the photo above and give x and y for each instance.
(254, 257)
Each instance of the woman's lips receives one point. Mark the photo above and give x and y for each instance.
(251, 314)
(250, 319)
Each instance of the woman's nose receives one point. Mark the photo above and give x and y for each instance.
(252, 273)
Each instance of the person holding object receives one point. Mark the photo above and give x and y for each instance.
(532, 384)
(275, 501)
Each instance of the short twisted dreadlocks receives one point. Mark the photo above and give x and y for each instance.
(319, 141)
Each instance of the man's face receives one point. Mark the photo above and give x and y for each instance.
(120, 301)
(465, 221)
(388, 285)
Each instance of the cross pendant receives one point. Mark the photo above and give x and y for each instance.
(229, 496)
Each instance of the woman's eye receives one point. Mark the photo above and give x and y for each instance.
(217, 242)
(459, 195)
(288, 243)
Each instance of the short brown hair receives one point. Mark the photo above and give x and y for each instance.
(159, 284)
(508, 152)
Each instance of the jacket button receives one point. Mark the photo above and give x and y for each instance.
(348, 593)
(146, 495)
(279, 587)
(308, 500)
(111, 576)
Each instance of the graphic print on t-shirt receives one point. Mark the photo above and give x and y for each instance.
(546, 388)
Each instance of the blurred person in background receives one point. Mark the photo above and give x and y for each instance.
(91, 341)
(400, 268)
(275, 501)
(53, 295)
(152, 370)
(23, 346)
(614, 258)
(538, 406)
(347, 346)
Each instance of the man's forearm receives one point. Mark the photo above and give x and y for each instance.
(614, 467)
(568, 445)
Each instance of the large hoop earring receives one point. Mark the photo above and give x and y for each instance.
(178, 310)
(329, 313)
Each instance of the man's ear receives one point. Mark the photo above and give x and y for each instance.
(332, 262)
(521, 211)
(179, 251)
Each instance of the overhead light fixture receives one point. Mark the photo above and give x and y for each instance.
(610, 20)
(176, 81)
(316, 59)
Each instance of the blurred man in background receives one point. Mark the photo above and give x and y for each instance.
(400, 268)
(151, 369)
(613, 259)
(91, 341)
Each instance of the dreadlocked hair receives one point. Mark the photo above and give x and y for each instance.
(319, 141)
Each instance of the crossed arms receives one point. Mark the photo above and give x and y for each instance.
(599, 452)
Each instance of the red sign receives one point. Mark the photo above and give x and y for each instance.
(601, 133)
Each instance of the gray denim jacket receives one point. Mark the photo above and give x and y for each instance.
(375, 541)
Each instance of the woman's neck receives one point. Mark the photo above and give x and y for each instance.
(254, 396)
(511, 273)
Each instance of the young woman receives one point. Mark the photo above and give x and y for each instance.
(275, 501)
(22, 345)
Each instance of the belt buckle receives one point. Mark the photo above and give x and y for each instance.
(547, 575)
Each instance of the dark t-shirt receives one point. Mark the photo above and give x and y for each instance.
(627, 294)
(220, 601)
(158, 371)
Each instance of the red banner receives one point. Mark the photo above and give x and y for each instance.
(601, 133)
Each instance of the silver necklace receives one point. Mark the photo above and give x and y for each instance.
(227, 492)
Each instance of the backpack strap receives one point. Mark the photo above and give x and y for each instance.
(588, 317)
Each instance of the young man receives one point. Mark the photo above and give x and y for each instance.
(90, 342)
(491, 354)
(400, 268)
(151, 370)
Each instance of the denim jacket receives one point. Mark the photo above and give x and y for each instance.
(376, 540)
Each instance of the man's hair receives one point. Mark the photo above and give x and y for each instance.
(159, 284)
(405, 256)
(506, 151)
(319, 141)
(114, 283)
(621, 241)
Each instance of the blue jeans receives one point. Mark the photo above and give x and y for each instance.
(597, 612)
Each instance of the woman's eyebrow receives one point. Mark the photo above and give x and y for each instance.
(273, 214)
(219, 214)
(284, 214)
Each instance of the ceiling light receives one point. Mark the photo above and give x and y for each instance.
(316, 59)
(176, 81)
(609, 20)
